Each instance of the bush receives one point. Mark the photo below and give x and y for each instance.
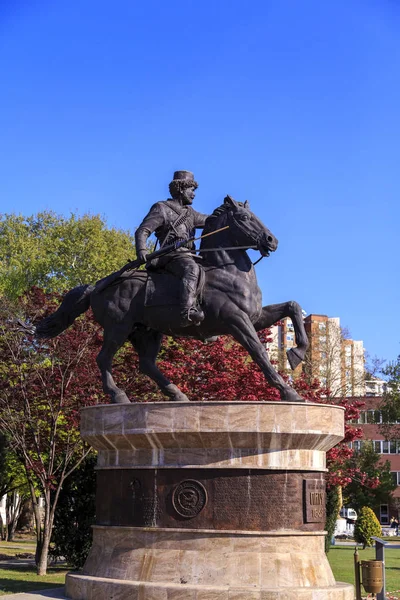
(75, 513)
(366, 526)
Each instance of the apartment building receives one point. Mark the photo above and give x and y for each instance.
(282, 338)
(337, 362)
(375, 387)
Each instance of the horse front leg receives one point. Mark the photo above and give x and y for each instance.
(275, 312)
(104, 361)
(147, 343)
(243, 331)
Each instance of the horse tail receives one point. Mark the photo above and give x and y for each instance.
(75, 303)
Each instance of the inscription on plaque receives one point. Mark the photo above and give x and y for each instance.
(315, 500)
(189, 498)
(151, 511)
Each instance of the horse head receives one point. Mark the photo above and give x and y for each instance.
(245, 229)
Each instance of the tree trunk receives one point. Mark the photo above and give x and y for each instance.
(47, 528)
(3, 529)
(13, 513)
(44, 554)
(38, 522)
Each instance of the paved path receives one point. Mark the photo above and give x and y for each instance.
(53, 594)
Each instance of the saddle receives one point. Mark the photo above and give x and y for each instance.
(163, 289)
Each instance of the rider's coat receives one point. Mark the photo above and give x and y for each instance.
(171, 222)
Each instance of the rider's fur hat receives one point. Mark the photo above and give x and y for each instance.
(185, 176)
(181, 180)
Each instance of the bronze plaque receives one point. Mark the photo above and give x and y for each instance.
(189, 498)
(315, 500)
(220, 499)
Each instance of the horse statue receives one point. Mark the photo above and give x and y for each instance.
(230, 299)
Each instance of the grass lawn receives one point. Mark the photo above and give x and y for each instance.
(341, 559)
(21, 577)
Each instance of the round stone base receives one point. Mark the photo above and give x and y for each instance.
(85, 587)
(129, 563)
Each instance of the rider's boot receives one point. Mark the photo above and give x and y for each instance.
(191, 313)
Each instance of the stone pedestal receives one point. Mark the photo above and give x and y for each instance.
(210, 501)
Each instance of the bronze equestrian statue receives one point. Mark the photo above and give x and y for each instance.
(142, 306)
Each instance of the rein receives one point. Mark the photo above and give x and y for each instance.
(227, 248)
(233, 248)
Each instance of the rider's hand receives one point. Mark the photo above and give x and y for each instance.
(142, 255)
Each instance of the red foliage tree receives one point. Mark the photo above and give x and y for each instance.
(42, 388)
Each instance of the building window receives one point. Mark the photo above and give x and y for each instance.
(370, 416)
(384, 514)
(396, 477)
(356, 445)
(384, 447)
(290, 337)
(377, 416)
(322, 326)
(322, 339)
(373, 416)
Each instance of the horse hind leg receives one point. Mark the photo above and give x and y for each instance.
(275, 312)
(104, 361)
(147, 343)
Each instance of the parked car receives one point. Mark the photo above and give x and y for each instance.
(349, 514)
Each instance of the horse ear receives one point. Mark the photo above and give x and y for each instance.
(230, 201)
(246, 204)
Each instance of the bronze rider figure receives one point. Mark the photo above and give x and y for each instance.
(175, 220)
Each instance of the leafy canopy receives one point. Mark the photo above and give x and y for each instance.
(57, 253)
(371, 480)
(390, 406)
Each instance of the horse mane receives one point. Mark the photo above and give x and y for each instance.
(211, 223)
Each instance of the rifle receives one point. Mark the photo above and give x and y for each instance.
(133, 265)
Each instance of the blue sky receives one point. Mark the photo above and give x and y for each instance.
(291, 105)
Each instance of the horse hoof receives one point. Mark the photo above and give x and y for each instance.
(120, 398)
(290, 395)
(180, 398)
(175, 394)
(293, 358)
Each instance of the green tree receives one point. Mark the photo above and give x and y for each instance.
(367, 525)
(57, 253)
(75, 514)
(390, 406)
(333, 505)
(371, 480)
